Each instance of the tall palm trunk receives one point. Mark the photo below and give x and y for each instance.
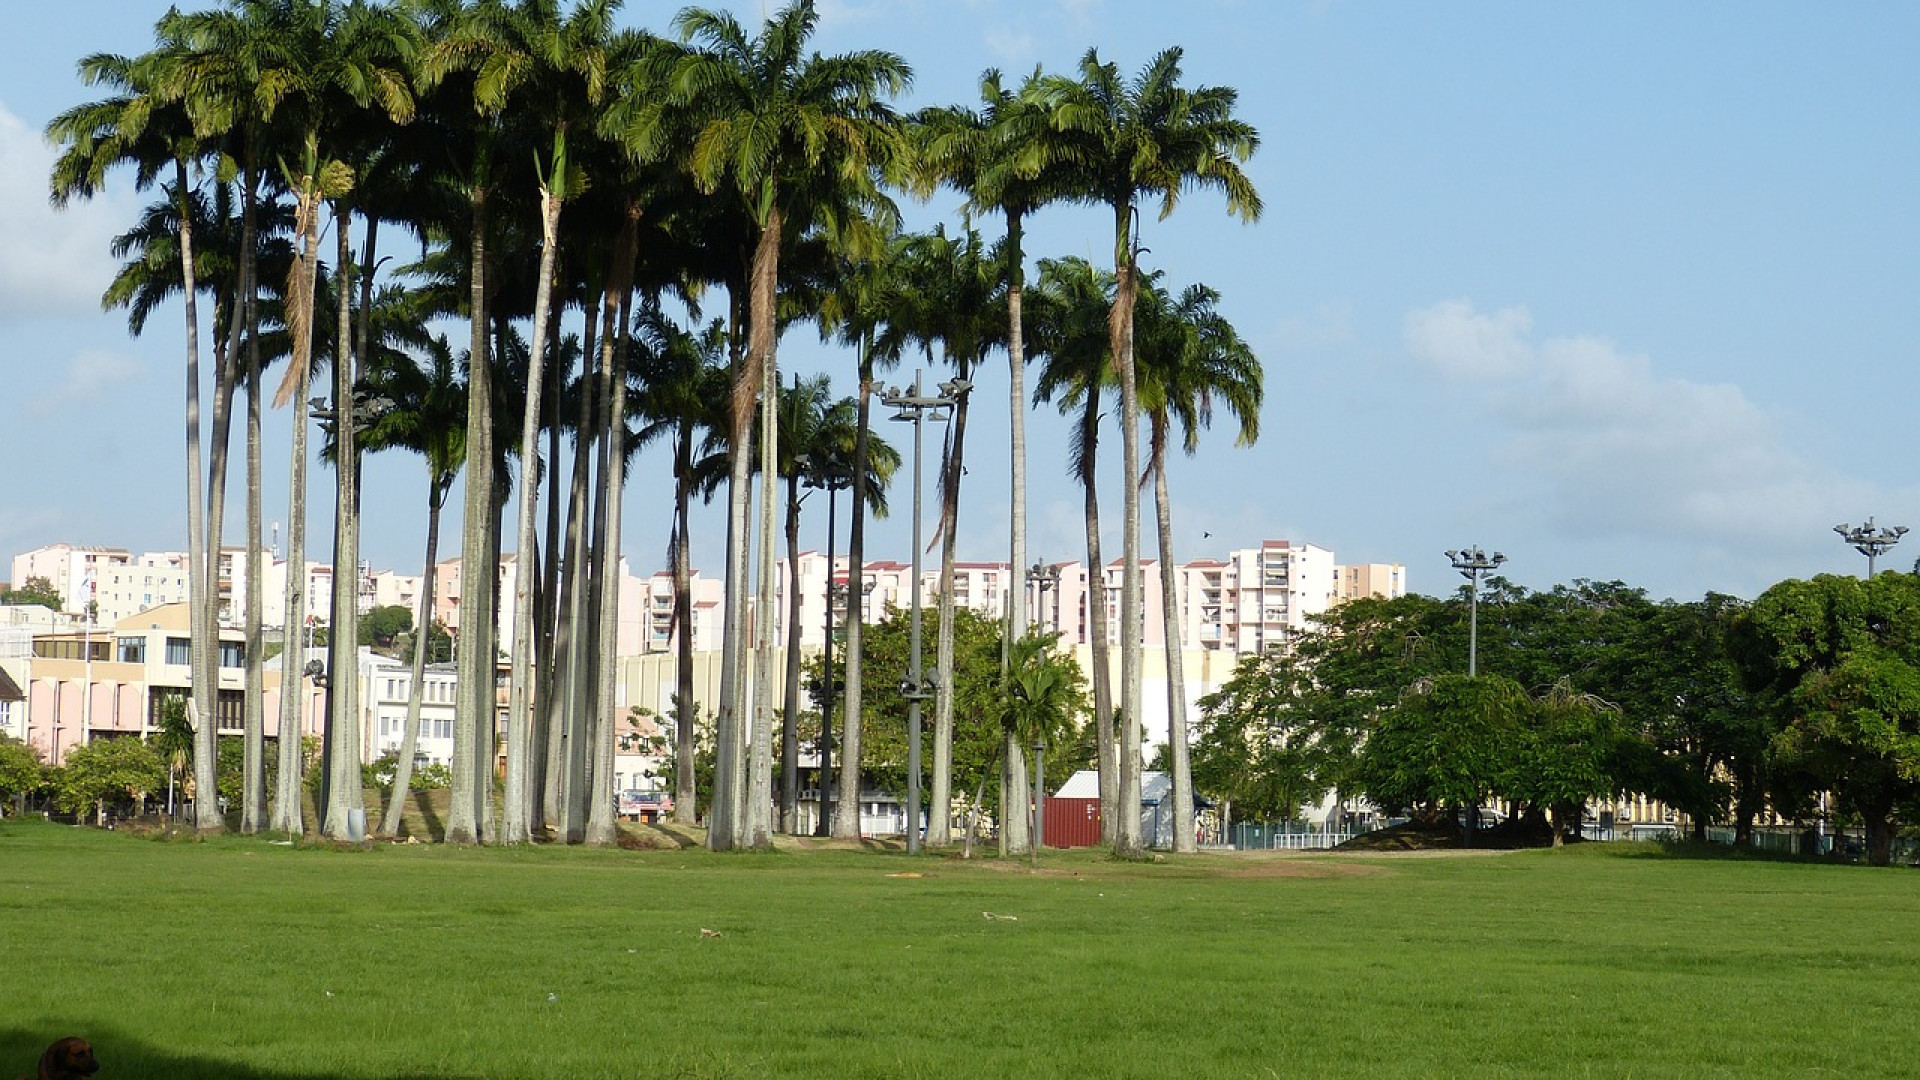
(288, 815)
(473, 718)
(1178, 752)
(253, 771)
(550, 677)
(206, 804)
(789, 713)
(729, 774)
(517, 809)
(437, 487)
(1096, 601)
(764, 333)
(569, 660)
(602, 820)
(685, 715)
(1017, 416)
(346, 795)
(846, 820)
(1127, 837)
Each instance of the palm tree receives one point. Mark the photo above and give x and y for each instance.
(449, 77)
(426, 412)
(1190, 357)
(1006, 157)
(682, 383)
(1148, 137)
(814, 428)
(853, 307)
(558, 68)
(141, 125)
(1069, 320)
(777, 122)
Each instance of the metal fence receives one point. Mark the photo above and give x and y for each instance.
(1284, 836)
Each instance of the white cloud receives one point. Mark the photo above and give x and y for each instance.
(1607, 447)
(56, 261)
(1327, 326)
(1464, 344)
(91, 373)
(1012, 49)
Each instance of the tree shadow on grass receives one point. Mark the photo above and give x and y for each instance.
(1705, 851)
(435, 828)
(122, 1056)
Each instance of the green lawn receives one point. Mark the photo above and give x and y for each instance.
(240, 958)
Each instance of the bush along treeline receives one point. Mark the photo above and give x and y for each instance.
(578, 190)
(1723, 709)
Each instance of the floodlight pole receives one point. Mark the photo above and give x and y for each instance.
(1474, 564)
(1044, 577)
(1871, 541)
(913, 406)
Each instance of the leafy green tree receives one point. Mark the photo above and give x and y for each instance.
(107, 770)
(1190, 359)
(21, 773)
(1570, 748)
(1069, 328)
(1252, 750)
(36, 590)
(977, 690)
(1448, 743)
(385, 625)
(1837, 661)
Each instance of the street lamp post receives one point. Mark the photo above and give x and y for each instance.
(1474, 564)
(1869, 540)
(912, 407)
(316, 670)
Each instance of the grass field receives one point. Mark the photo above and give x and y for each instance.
(240, 958)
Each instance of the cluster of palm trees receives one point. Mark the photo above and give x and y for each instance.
(547, 163)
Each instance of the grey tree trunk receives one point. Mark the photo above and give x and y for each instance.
(846, 818)
(422, 641)
(602, 821)
(730, 767)
(790, 712)
(473, 715)
(516, 819)
(1096, 601)
(1127, 836)
(1017, 417)
(253, 771)
(759, 815)
(569, 662)
(1178, 751)
(346, 796)
(686, 714)
(1016, 798)
(206, 804)
(288, 813)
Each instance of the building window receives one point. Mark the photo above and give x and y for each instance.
(233, 654)
(179, 651)
(131, 650)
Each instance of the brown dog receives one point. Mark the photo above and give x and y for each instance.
(70, 1058)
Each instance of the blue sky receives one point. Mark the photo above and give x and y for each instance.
(1626, 291)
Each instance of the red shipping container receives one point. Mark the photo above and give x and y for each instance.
(1072, 822)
